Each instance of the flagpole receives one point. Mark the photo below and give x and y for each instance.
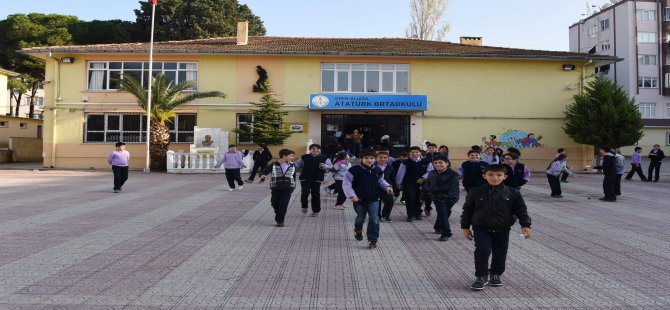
(151, 63)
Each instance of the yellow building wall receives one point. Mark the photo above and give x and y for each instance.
(651, 136)
(468, 99)
(13, 128)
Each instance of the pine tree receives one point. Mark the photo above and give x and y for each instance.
(603, 115)
(267, 126)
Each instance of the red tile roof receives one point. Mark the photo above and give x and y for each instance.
(319, 46)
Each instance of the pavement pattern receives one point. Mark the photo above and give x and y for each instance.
(184, 242)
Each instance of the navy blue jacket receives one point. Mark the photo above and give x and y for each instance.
(472, 173)
(366, 182)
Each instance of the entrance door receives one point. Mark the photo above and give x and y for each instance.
(335, 128)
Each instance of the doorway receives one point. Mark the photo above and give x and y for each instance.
(335, 128)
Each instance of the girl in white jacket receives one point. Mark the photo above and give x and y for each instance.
(553, 173)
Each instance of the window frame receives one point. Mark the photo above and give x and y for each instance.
(593, 31)
(237, 125)
(107, 79)
(176, 132)
(643, 36)
(605, 45)
(644, 107)
(604, 24)
(368, 69)
(4, 124)
(23, 125)
(645, 15)
(121, 131)
(653, 81)
(646, 60)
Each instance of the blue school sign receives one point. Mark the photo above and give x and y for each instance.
(368, 102)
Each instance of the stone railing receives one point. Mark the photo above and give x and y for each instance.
(181, 162)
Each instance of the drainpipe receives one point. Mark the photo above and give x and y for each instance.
(581, 84)
(55, 110)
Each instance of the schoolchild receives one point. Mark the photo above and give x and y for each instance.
(472, 170)
(489, 156)
(555, 169)
(432, 151)
(656, 156)
(608, 166)
(314, 165)
(409, 178)
(491, 210)
(261, 157)
(620, 167)
(386, 200)
(340, 168)
(232, 161)
(564, 176)
(636, 165)
(517, 173)
(118, 159)
(396, 166)
(441, 186)
(282, 183)
(364, 185)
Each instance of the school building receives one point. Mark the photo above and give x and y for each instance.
(458, 95)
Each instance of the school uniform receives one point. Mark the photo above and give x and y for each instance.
(409, 172)
(517, 175)
(261, 159)
(119, 162)
(554, 171)
(282, 184)
(472, 172)
(442, 188)
(367, 184)
(656, 158)
(386, 200)
(310, 179)
(232, 162)
(636, 166)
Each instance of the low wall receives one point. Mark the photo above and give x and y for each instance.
(25, 150)
(5, 156)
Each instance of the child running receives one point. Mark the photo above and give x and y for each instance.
(340, 168)
(441, 186)
(472, 170)
(490, 210)
(389, 176)
(232, 161)
(282, 183)
(314, 165)
(411, 175)
(364, 184)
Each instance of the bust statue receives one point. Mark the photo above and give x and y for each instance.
(208, 141)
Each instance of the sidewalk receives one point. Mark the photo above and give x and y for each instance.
(185, 242)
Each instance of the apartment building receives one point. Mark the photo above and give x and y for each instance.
(637, 31)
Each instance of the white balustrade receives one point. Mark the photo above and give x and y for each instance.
(181, 162)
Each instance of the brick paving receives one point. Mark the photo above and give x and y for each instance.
(185, 242)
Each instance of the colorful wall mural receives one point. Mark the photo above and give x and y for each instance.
(513, 138)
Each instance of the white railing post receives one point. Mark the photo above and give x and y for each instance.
(170, 160)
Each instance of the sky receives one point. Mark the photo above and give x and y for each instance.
(529, 24)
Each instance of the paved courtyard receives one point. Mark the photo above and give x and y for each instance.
(185, 242)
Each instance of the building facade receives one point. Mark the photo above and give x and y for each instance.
(638, 31)
(458, 95)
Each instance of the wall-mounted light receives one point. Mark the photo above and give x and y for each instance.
(568, 67)
(67, 60)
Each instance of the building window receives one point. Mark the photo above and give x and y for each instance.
(593, 31)
(4, 124)
(646, 60)
(23, 125)
(604, 24)
(647, 82)
(666, 14)
(646, 37)
(647, 109)
(132, 128)
(667, 110)
(364, 78)
(182, 128)
(605, 46)
(104, 75)
(40, 102)
(646, 15)
(666, 82)
(244, 120)
(667, 138)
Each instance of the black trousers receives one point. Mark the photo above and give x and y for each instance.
(412, 199)
(636, 168)
(427, 204)
(279, 200)
(609, 183)
(257, 166)
(386, 202)
(120, 176)
(564, 176)
(554, 184)
(617, 184)
(654, 165)
(487, 243)
(443, 209)
(309, 187)
(341, 197)
(233, 175)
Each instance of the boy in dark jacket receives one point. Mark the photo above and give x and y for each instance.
(517, 173)
(441, 186)
(472, 170)
(364, 184)
(490, 210)
(608, 166)
(409, 178)
(314, 165)
(656, 156)
(261, 158)
(389, 177)
(282, 183)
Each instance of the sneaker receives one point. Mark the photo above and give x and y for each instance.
(388, 220)
(231, 189)
(428, 213)
(495, 280)
(358, 234)
(304, 210)
(410, 219)
(280, 224)
(116, 190)
(480, 283)
(444, 237)
(339, 207)
(437, 231)
(402, 201)
(372, 244)
(314, 214)
(240, 188)
(382, 219)
(418, 218)
(249, 181)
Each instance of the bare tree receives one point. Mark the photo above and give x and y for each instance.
(427, 20)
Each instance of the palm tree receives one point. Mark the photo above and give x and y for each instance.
(165, 97)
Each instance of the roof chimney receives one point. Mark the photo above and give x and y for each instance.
(474, 41)
(242, 32)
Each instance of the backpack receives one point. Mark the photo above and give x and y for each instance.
(618, 161)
